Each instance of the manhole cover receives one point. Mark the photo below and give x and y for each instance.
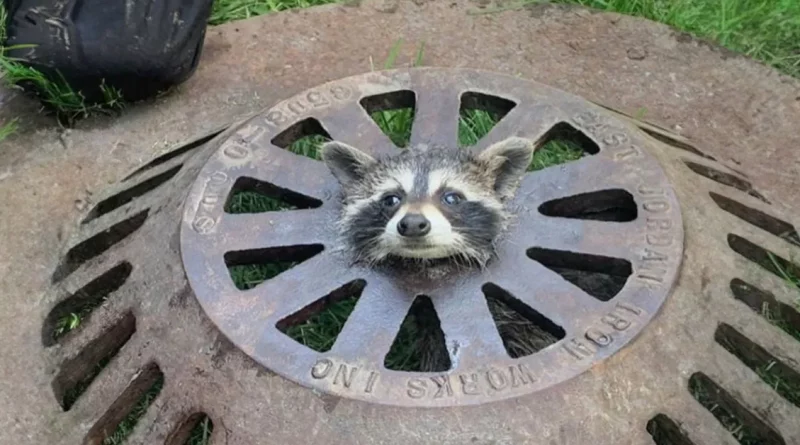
(594, 251)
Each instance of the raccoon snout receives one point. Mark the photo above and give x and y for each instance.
(413, 225)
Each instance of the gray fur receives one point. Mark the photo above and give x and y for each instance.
(489, 178)
(345, 162)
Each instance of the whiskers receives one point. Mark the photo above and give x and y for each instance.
(370, 247)
(467, 244)
(468, 255)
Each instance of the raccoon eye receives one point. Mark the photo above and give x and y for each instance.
(391, 201)
(452, 198)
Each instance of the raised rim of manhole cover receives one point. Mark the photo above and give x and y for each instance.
(646, 248)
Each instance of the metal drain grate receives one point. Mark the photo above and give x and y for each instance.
(622, 346)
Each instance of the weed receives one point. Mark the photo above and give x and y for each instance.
(225, 11)
(790, 274)
(705, 393)
(201, 433)
(787, 388)
(766, 30)
(8, 129)
(70, 321)
(53, 91)
(67, 323)
(125, 428)
(779, 319)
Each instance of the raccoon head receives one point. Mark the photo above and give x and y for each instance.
(426, 204)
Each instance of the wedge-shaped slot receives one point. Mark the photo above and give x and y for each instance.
(173, 154)
(666, 432)
(195, 430)
(775, 226)
(783, 379)
(420, 343)
(745, 426)
(524, 331)
(599, 276)
(726, 179)
(121, 417)
(76, 308)
(120, 199)
(775, 264)
(250, 195)
(201, 433)
(676, 143)
(318, 325)
(98, 244)
(393, 113)
(249, 268)
(561, 144)
(776, 312)
(76, 374)
(603, 205)
(303, 138)
(478, 114)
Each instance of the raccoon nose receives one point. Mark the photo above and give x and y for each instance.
(414, 225)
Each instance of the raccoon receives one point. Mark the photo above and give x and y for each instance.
(426, 205)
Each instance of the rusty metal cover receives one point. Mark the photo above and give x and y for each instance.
(649, 244)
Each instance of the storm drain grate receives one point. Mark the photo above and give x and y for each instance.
(592, 259)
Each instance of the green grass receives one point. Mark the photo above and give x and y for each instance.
(706, 396)
(396, 124)
(248, 276)
(778, 319)
(125, 428)
(201, 433)
(229, 10)
(777, 375)
(69, 322)
(721, 407)
(72, 320)
(790, 274)
(321, 329)
(766, 30)
(71, 396)
(788, 389)
(8, 129)
(54, 92)
(783, 379)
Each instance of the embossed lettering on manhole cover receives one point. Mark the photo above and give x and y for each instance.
(595, 250)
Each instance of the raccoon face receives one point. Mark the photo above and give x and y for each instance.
(426, 205)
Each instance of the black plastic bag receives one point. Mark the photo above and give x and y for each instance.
(138, 47)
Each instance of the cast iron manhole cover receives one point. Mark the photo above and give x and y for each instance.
(612, 212)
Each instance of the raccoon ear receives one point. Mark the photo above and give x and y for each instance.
(507, 160)
(345, 162)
